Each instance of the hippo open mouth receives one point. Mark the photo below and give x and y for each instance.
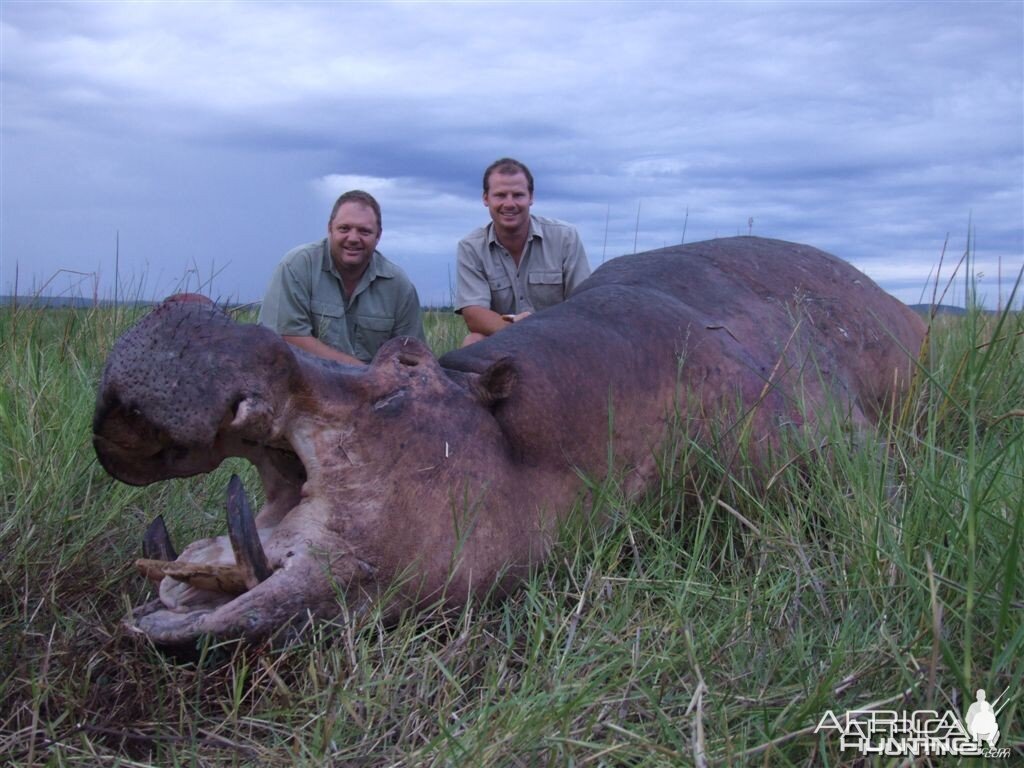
(420, 480)
(160, 560)
(208, 573)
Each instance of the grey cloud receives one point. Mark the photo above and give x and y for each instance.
(200, 131)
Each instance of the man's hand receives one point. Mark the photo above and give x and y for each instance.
(515, 318)
(482, 322)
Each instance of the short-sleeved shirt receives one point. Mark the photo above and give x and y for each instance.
(305, 298)
(552, 266)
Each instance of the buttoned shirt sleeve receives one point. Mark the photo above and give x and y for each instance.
(286, 305)
(471, 286)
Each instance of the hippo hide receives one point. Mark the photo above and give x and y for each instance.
(422, 481)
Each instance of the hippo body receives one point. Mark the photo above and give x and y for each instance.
(428, 480)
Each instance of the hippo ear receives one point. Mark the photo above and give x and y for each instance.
(497, 382)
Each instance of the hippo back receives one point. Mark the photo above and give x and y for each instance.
(736, 323)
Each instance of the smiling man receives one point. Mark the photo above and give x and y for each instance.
(519, 263)
(340, 298)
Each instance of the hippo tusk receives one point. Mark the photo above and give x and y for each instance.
(161, 561)
(245, 541)
(156, 542)
(229, 579)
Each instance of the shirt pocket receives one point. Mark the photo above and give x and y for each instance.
(545, 287)
(502, 298)
(372, 331)
(329, 323)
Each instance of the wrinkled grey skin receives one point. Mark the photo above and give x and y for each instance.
(445, 479)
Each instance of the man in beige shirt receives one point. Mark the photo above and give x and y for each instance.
(519, 263)
(339, 298)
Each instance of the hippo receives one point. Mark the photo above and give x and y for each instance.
(415, 482)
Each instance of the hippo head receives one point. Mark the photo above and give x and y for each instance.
(164, 409)
(342, 452)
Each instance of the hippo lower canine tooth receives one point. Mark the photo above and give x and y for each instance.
(245, 540)
(156, 542)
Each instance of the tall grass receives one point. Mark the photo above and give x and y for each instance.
(711, 623)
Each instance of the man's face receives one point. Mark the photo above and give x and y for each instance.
(508, 199)
(353, 236)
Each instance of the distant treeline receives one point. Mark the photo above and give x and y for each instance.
(80, 302)
(66, 302)
(944, 309)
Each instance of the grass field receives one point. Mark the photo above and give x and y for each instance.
(708, 625)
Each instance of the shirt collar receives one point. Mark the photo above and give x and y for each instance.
(492, 238)
(378, 266)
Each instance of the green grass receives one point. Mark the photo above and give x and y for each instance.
(709, 622)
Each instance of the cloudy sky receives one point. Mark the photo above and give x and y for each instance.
(200, 141)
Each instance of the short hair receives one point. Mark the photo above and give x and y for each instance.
(506, 166)
(357, 196)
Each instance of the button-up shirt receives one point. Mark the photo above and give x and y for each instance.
(552, 265)
(306, 298)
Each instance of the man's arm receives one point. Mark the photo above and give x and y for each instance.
(473, 294)
(483, 320)
(316, 347)
(575, 267)
(409, 316)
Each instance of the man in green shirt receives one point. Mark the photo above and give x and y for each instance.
(340, 298)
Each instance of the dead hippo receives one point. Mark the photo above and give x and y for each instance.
(442, 480)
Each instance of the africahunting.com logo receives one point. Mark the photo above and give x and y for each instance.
(923, 732)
